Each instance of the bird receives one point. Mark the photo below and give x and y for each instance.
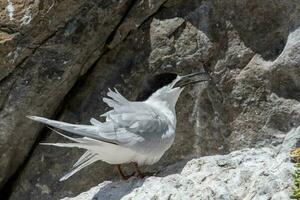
(134, 132)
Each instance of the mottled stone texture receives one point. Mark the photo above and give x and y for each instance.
(261, 173)
(57, 59)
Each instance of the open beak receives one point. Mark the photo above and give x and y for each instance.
(192, 78)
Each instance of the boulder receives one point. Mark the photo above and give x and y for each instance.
(261, 173)
(250, 48)
(45, 47)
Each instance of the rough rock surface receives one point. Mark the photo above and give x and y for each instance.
(39, 65)
(57, 59)
(262, 173)
(56, 45)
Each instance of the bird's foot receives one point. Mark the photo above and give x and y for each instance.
(126, 177)
(141, 174)
(145, 174)
(122, 174)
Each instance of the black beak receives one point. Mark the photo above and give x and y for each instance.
(192, 79)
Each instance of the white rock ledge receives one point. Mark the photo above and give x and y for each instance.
(246, 174)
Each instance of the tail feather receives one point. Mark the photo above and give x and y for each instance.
(83, 158)
(59, 133)
(97, 149)
(70, 145)
(100, 131)
(83, 130)
(86, 159)
(74, 170)
(83, 143)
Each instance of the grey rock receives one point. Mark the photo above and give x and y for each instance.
(38, 84)
(139, 12)
(25, 25)
(178, 43)
(40, 169)
(249, 47)
(47, 165)
(262, 173)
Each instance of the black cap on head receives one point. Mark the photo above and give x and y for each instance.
(153, 83)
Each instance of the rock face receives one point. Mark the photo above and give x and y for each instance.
(262, 173)
(35, 66)
(54, 52)
(57, 59)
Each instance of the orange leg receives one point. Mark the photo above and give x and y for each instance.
(121, 173)
(138, 171)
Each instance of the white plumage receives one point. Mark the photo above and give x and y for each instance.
(138, 132)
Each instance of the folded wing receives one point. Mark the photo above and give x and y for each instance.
(134, 121)
(128, 125)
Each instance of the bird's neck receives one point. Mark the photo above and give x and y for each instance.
(165, 108)
(164, 101)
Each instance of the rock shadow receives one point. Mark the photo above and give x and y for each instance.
(118, 189)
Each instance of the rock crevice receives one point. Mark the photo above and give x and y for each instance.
(65, 54)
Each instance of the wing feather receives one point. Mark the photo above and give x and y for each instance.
(116, 99)
(136, 121)
(127, 124)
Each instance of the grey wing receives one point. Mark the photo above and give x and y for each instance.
(128, 123)
(134, 122)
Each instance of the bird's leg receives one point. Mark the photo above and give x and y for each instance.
(121, 173)
(138, 171)
(141, 174)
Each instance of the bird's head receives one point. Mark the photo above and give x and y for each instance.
(166, 87)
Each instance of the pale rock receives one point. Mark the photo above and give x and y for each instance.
(264, 173)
